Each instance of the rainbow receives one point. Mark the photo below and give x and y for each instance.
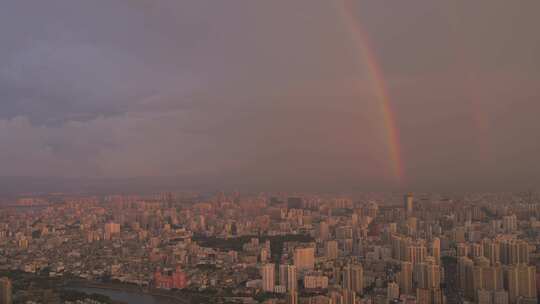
(361, 41)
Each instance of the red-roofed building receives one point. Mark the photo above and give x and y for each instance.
(174, 280)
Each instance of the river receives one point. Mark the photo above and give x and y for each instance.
(125, 296)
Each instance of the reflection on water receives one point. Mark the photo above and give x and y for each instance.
(123, 296)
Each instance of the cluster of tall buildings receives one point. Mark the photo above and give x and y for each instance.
(286, 282)
(286, 249)
(496, 271)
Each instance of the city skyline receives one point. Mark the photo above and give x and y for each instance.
(269, 151)
(336, 96)
(270, 248)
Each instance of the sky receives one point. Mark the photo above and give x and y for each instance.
(272, 94)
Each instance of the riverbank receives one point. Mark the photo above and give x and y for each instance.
(159, 296)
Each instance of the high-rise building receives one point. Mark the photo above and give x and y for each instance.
(268, 277)
(478, 278)
(264, 255)
(458, 234)
(429, 296)
(465, 276)
(423, 296)
(111, 229)
(427, 278)
(349, 296)
(336, 297)
(304, 258)
(392, 291)
(509, 223)
(23, 243)
(331, 248)
(358, 279)
(416, 253)
(5, 291)
(405, 278)
(493, 278)
(521, 280)
(399, 247)
(485, 276)
(353, 278)
(492, 297)
(477, 250)
(412, 225)
(392, 228)
(420, 275)
(292, 298)
(438, 296)
(514, 252)
(436, 250)
(354, 219)
(288, 277)
(523, 252)
(357, 246)
(492, 251)
(408, 203)
(434, 277)
(462, 250)
(283, 269)
(427, 275)
(324, 231)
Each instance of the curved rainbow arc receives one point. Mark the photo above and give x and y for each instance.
(361, 41)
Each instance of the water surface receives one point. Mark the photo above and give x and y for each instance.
(125, 296)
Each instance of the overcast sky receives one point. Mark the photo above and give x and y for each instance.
(271, 93)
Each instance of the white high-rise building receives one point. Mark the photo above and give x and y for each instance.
(288, 277)
(268, 277)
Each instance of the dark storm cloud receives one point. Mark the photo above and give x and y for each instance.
(269, 93)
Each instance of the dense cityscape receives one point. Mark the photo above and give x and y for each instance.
(272, 248)
(269, 152)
